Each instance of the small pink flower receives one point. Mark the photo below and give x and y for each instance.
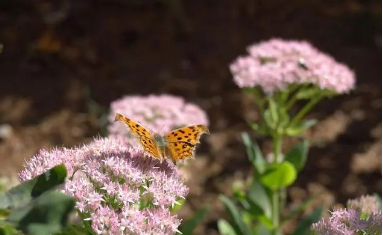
(110, 179)
(276, 63)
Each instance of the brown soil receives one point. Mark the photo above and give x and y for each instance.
(56, 51)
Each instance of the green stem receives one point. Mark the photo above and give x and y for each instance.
(275, 212)
(258, 100)
(305, 110)
(277, 147)
(294, 97)
(291, 101)
(277, 150)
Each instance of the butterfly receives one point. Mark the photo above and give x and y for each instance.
(176, 145)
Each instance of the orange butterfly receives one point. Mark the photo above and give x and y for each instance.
(176, 145)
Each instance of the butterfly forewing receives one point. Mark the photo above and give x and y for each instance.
(134, 127)
(150, 147)
(190, 134)
(145, 137)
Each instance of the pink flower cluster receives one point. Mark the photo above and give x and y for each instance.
(115, 187)
(158, 113)
(275, 64)
(350, 221)
(365, 204)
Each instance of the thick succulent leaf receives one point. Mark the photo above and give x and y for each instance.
(27, 191)
(279, 175)
(44, 215)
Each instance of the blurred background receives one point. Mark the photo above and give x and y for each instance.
(63, 62)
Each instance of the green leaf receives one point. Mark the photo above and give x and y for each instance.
(8, 229)
(307, 93)
(254, 154)
(284, 117)
(267, 117)
(303, 227)
(257, 196)
(44, 215)
(4, 213)
(298, 155)
(225, 228)
(300, 127)
(259, 128)
(75, 230)
(279, 175)
(188, 226)
(328, 93)
(235, 216)
(273, 110)
(261, 229)
(25, 192)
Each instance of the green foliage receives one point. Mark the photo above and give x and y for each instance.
(254, 154)
(256, 207)
(303, 227)
(75, 230)
(238, 224)
(34, 207)
(299, 128)
(188, 226)
(225, 228)
(298, 155)
(279, 175)
(27, 191)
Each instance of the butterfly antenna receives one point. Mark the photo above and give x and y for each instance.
(161, 128)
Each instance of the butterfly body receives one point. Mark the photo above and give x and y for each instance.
(177, 145)
(160, 143)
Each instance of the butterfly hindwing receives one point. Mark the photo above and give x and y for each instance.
(150, 147)
(145, 137)
(180, 150)
(190, 134)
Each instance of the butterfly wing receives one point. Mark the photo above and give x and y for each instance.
(145, 137)
(181, 143)
(190, 134)
(180, 150)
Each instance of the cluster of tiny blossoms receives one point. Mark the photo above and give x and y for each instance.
(275, 64)
(117, 190)
(361, 217)
(158, 113)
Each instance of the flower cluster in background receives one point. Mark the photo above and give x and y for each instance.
(277, 63)
(158, 113)
(362, 215)
(117, 190)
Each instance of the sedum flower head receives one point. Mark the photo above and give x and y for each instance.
(365, 204)
(276, 63)
(156, 112)
(350, 221)
(116, 188)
